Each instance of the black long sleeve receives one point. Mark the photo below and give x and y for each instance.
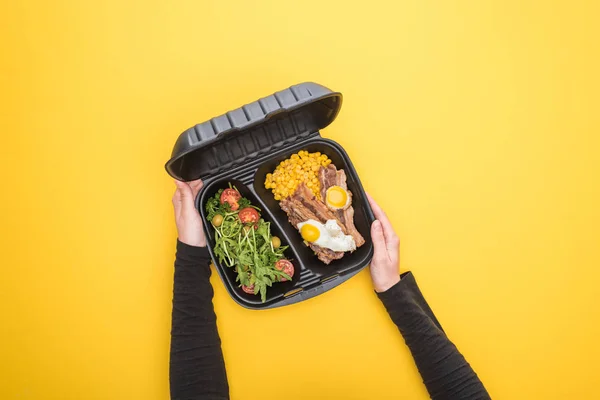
(197, 369)
(445, 372)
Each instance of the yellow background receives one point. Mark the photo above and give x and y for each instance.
(474, 123)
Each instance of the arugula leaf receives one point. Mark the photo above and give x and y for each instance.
(248, 251)
(244, 202)
(214, 206)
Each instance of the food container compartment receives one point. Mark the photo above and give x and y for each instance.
(245, 144)
(228, 275)
(362, 212)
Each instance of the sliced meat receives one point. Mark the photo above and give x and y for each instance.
(297, 212)
(327, 178)
(331, 176)
(348, 213)
(318, 208)
(340, 179)
(325, 255)
(352, 231)
(303, 205)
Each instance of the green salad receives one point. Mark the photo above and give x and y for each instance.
(244, 242)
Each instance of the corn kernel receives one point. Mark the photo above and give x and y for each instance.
(302, 167)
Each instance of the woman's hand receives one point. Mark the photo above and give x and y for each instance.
(187, 219)
(386, 259)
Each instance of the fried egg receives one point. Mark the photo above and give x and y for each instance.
(337, 198)
(328, 235)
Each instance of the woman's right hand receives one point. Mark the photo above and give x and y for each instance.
(386, 258)
(187, 218)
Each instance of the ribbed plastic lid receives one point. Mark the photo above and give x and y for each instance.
(241, 135)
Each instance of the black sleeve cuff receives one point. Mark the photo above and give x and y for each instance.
(404, 293)
(193, 254)
(400, 288)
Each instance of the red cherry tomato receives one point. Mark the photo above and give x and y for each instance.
(231, 196)
(248, 289)
(248, 215)
(287, 267)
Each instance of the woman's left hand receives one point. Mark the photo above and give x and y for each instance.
(187, 218)
(386, 258)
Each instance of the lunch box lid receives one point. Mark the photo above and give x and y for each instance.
(253, 130)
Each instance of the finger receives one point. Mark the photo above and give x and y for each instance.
(391, 239)
(380, 254)
(393, 246)
(177, 203)
(196, 186)
(379, 213)
(186, 195)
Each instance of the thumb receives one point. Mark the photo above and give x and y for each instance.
(185, 193)
(196, 186)
(380, 254)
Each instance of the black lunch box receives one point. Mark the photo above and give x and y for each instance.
(245, 144)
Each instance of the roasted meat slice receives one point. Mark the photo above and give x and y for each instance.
(306, 197)
(325, 255)
(298, 212)
(330, 176)
(327, 178)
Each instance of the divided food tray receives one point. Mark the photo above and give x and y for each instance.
(240, 148)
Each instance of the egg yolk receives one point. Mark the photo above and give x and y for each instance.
(309, 232)
(336, 197)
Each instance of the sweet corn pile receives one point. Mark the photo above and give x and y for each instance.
(300, 167)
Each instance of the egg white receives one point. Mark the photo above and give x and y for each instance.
(331, 236)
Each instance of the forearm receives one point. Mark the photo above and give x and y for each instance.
(197, 369)
(445, 372)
